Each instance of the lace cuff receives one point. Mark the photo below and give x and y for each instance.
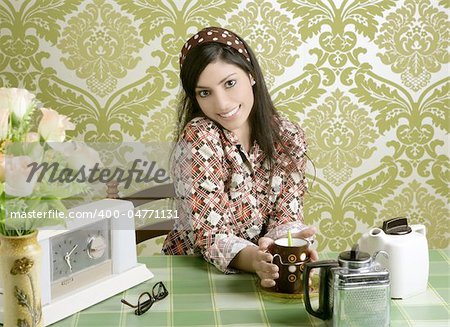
(223, 251)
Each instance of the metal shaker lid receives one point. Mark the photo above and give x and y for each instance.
(354, 259)
(396, 226)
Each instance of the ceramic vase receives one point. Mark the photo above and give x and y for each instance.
(20, 264)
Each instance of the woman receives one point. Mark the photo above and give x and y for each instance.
(239, 167)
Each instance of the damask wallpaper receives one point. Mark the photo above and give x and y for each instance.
(367, 79)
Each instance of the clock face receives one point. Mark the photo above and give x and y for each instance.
(66, 257)
(80, 249)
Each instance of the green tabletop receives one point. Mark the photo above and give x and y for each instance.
(202, 296)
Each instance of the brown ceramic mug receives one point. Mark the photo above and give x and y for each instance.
(290, 261)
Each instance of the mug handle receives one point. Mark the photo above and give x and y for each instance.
(276, 255)
(324, 311)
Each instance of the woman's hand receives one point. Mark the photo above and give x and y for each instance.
(262, 263)
(308, 234)
(259, 260)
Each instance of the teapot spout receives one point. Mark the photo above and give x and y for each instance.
(372, 241)
(377, 232)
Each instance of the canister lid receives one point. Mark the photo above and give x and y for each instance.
(354, 259)
(396, 226)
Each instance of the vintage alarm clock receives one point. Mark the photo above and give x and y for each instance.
(90, 261)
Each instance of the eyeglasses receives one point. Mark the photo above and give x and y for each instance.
(145, 300)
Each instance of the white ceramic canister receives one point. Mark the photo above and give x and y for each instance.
(407, 248)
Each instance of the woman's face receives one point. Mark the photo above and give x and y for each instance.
(224, 93)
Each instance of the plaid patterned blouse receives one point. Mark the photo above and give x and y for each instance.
(228, 196)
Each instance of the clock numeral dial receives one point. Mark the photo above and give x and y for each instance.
(96, 247)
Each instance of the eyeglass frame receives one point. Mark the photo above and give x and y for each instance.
(143, 307)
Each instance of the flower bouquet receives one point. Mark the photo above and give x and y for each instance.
(33, 150)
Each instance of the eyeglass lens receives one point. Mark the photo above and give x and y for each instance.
(145, 302)
(159, 291)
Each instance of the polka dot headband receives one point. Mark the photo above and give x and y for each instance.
(214, 34)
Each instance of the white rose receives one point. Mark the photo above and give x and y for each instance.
(16, 174)
(4, 114)
(78, 154)
(32, 137)
(18, 101)
(53, 126)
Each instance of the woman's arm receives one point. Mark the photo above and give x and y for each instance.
(202, 175)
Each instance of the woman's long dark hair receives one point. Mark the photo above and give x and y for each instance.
(264, 128)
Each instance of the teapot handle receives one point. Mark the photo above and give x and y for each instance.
(419, 228)
(324, 311)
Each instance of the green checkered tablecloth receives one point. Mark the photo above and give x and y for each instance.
(202, 296)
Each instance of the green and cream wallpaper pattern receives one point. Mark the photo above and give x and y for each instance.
(367, 79)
